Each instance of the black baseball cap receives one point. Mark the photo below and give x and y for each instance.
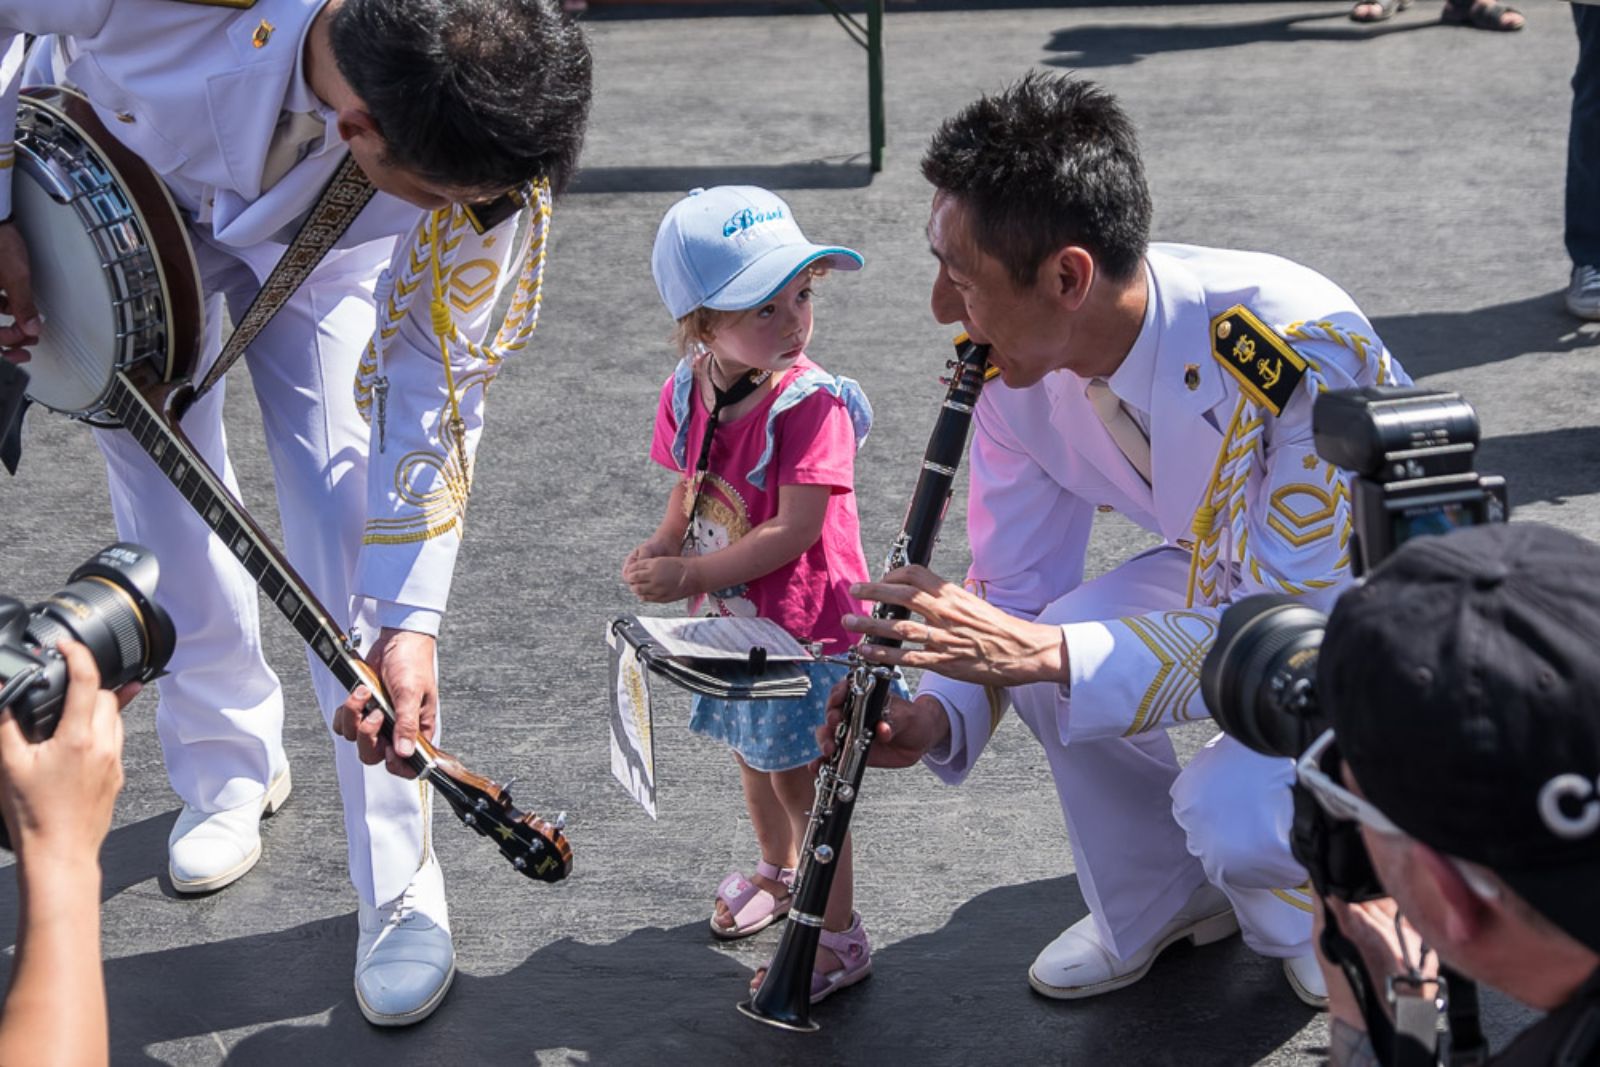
(1463, 680)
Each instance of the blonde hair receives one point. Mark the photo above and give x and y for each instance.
(699, 326)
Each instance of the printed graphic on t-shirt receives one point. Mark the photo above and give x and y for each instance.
(720, 519)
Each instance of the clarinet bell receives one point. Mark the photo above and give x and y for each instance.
(784, 998)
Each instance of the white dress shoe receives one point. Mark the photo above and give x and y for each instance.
(1077, 964)
(208, 850)
(404, 959)
(1307, 980)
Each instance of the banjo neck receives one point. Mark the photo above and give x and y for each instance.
(533, 846)
(144, 412)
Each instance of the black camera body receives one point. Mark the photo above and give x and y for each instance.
(1410, 452)
(108, 607)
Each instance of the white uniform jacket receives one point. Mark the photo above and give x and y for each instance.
(1042, 462)
(200, 93)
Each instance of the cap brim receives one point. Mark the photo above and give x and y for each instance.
(765, 278)
(1562, 894)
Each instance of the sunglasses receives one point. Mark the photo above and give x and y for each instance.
(1335, 799)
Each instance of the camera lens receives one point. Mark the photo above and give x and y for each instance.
(106, 606)
(1257, 679)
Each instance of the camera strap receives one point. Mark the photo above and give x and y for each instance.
(17, 683)
(1582, 1041)
(1468, 1046)
(341, 200)
(1414, 1038)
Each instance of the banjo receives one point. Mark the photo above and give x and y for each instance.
(116, 283)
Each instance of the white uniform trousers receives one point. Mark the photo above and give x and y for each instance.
(220, 717)
(1145, 833)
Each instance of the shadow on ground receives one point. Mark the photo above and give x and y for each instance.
(852, 173)
(131, 854)
(1548, 466)
(954, 995)
(1435, 342)
(1085, 47)
(619, 10)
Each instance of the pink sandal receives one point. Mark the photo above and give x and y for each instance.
(753, 908)
(855, 959)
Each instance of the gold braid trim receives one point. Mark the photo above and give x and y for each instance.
(1225, 496)
(431, 254)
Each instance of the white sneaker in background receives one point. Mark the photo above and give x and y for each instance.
(1583, 292)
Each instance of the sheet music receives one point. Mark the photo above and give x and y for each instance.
(722, 638)
(633, 756)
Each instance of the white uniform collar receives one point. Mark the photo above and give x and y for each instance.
(1132, 380)
(299, 96)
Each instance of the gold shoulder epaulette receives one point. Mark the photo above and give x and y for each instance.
(240, 4)
(1268, 370)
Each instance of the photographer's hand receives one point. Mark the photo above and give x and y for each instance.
(57, 797)
(1385, 946)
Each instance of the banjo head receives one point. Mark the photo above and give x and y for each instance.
(114, 278)
(71, 365)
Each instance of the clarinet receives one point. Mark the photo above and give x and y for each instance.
(784, 999)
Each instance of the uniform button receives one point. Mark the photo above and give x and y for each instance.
(1187, 546)
(123, 116)
(1104, 508)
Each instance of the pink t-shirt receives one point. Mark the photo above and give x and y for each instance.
(815, 444)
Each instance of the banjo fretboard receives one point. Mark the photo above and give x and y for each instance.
(194, 479)
(534, 847)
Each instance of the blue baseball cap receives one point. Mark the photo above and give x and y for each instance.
(733, 247)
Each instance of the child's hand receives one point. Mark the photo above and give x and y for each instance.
(660, 579)
(649, 550)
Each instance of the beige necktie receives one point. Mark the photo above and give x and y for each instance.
(296, 134)
(1122, 427)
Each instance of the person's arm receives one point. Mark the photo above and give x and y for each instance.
(15, 274)
(781, 539)
(19, 17)
(813, 457)
(668, 537)
(57, 798)
(426, 418)
(669, 449)
(1371, 927)
(1140, 673)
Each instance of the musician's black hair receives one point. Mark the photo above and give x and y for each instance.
(473, 94)
(1050, 161)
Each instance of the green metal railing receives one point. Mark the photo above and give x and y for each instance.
(869, 37)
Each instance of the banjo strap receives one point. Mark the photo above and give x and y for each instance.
(342, 199)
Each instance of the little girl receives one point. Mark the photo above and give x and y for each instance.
(762, 521)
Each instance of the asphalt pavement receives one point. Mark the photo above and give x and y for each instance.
(1419, 165)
